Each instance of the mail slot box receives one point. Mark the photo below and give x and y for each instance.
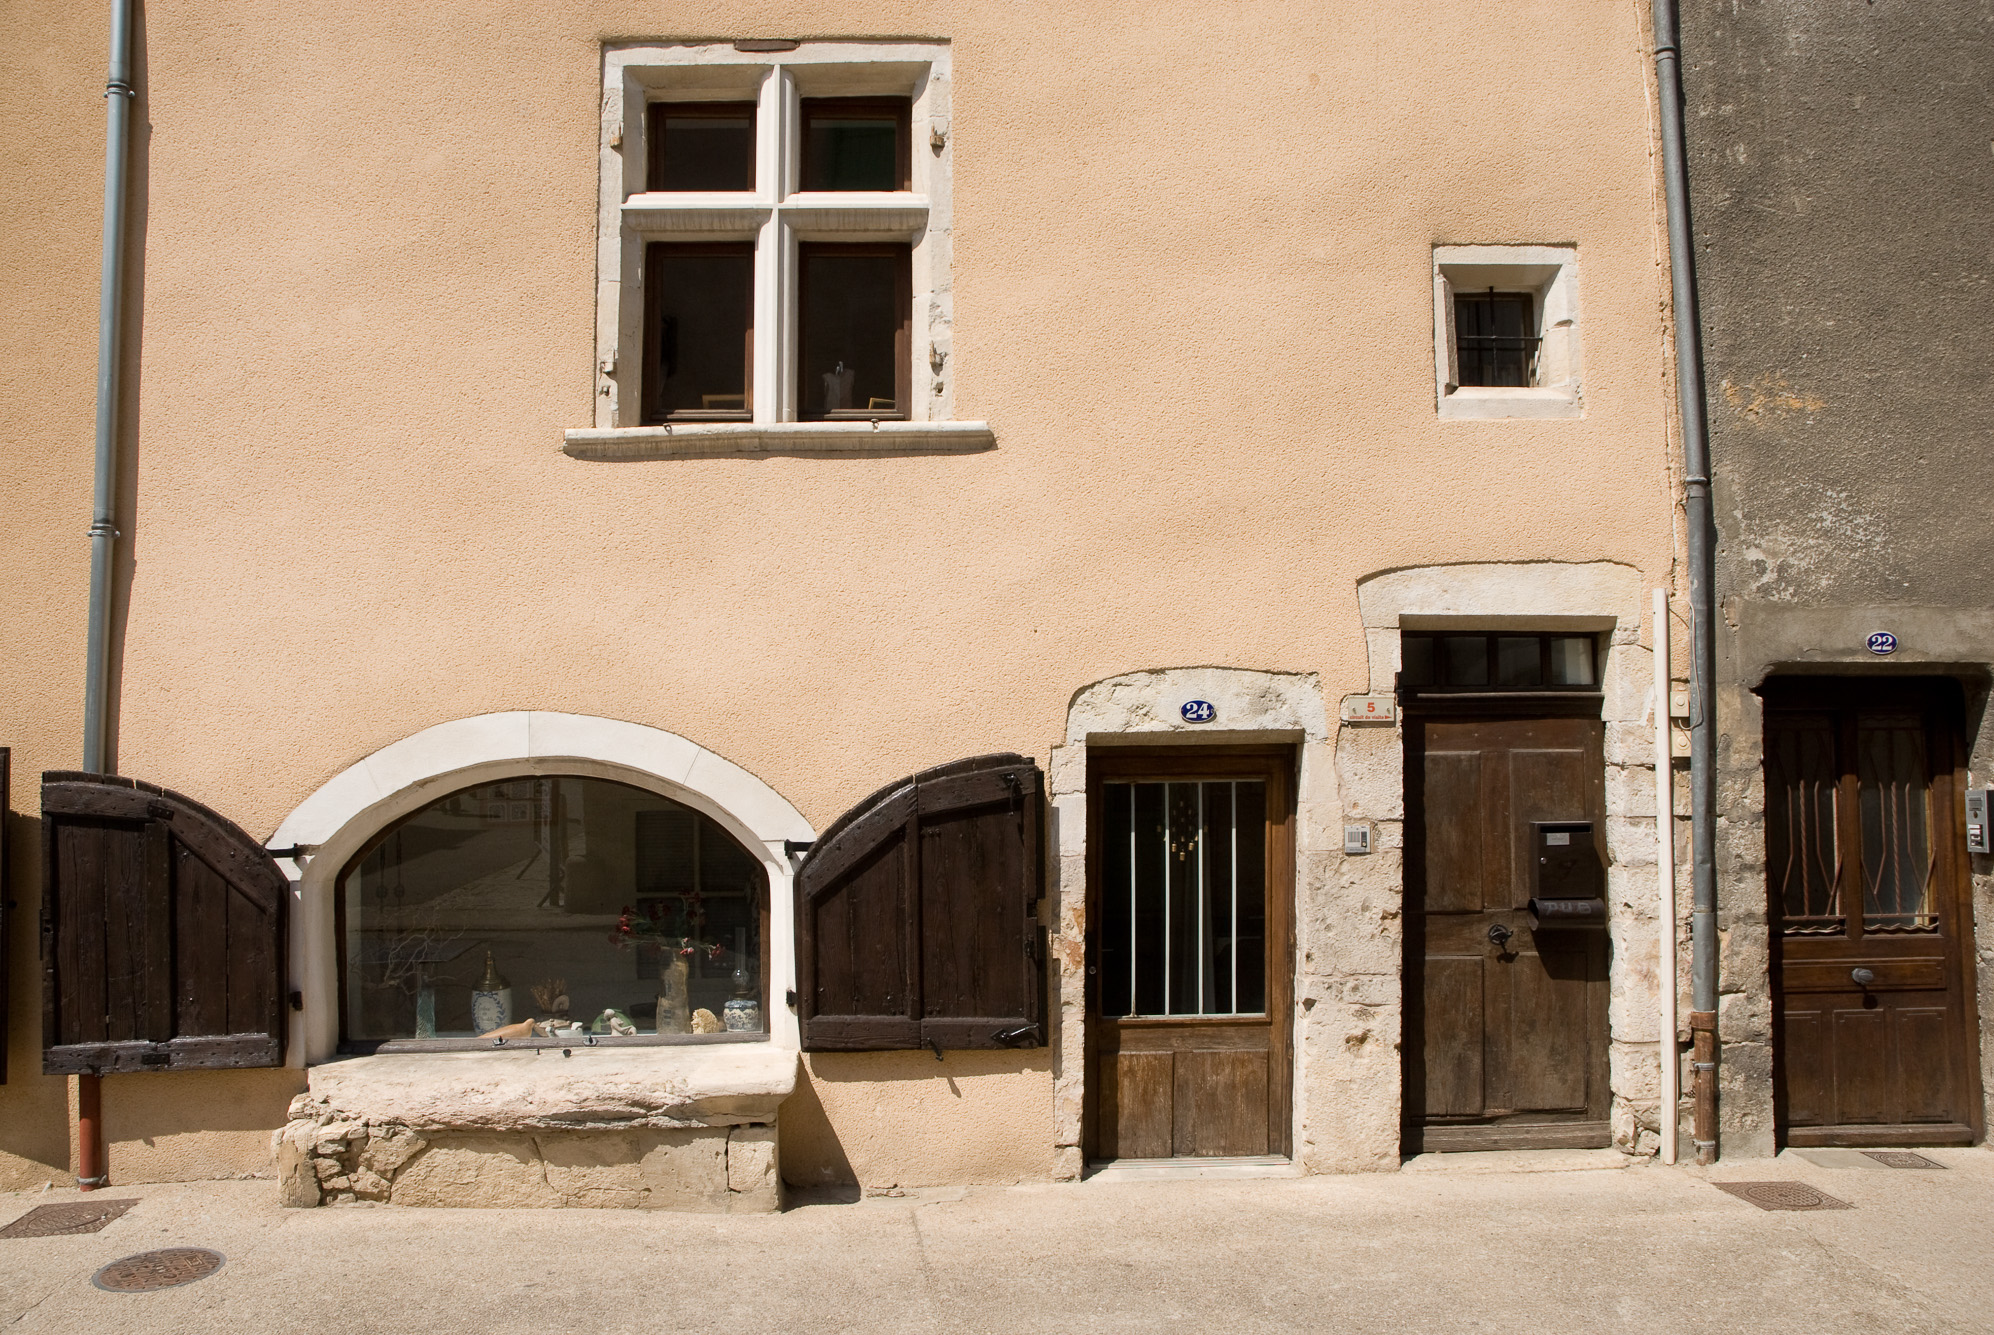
(1568, 861)
(1554, 913)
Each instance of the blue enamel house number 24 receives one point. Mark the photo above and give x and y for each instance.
(1198, 711)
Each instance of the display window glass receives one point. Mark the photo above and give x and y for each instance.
(552, 910)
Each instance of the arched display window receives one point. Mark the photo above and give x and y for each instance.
(551, 909)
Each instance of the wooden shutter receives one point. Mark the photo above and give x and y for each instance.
(162, 933)
(916, 915)
(6, 908)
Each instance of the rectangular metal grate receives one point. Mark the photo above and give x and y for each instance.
(1782, 1195)
(67, 1219)
(1901, 1159)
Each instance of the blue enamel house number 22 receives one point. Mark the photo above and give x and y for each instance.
(1198, 711)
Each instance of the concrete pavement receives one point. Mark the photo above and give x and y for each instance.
(1544, 1243)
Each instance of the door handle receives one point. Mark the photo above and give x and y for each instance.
(1499, 935)
(1862, 977)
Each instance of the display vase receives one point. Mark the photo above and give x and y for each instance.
(674, 997)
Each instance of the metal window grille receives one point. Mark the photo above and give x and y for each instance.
(1495, 340)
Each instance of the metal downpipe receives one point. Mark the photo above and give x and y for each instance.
(1698, 519)
(119, 95)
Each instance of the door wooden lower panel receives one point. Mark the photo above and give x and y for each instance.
(1176, 1090)
(1527, 1135)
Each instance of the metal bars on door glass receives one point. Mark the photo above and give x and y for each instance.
(1184, 898)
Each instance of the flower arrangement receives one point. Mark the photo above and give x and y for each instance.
(677, 927)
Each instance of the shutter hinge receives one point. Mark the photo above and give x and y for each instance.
(294, 852)
(297, 1000)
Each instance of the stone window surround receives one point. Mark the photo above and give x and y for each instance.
(338, 819)
(775, 217)
(1551, 273)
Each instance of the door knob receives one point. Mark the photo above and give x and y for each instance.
(1863, 977)
(1500, 934)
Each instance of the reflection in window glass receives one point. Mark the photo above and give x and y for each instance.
(700, 334)
(574, 903)
(1571, 660)
(703, 146)
(1416, 659)
(1519, 660)
(854, 144)
(852, 338)
(1467, 660)
(1896, 821)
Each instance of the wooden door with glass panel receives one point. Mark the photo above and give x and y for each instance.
(1191, 869)
(1867, 876)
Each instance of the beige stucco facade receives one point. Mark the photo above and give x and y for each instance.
(1192, 274)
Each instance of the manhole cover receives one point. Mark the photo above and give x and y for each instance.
(60, 1221)
(1902, 1159)
(1782, 1195)
(162, 1269)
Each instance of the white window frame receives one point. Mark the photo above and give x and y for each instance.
(776, 217)
(1551, 275)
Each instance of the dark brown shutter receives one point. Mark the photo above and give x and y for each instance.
(162, 933)
(6, 907)
(916, 915)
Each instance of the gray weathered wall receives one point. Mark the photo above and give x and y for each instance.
(1841, 163)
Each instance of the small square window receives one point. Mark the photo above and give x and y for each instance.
(1465, 660)
(702, 146)
(699, 332)
(1519, 660)
(853, 322)
(855, 143)
(1506, 332)
(1478, 663)
(1571, 660)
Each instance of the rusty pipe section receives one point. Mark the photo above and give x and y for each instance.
(90, 1173)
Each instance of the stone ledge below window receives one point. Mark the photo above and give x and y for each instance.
(699, 440)
(1494, 402)
(596, 1088)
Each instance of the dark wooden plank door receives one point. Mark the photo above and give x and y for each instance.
(1866, 869)
(1191, 869)
(1506, 1023)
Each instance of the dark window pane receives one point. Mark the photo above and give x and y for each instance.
(854, 313)
(1152, 850)
(1494, 337)
(700, 336)
(703, 146)
(1891, 795)
(854, 144)
(1466, 659)
(586, 896)
(1220, 945)
(1250, 816)
(1416, 659)
(1519, 660)
(1571, 661)
(1800, 822)
(1117, 943)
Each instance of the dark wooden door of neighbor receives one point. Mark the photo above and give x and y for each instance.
(1190, 877)
(1505, 1034)
(1866, 867)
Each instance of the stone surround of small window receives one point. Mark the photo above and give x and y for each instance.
(1522, 304)
(779, 100)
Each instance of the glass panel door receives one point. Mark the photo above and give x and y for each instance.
(1184, 898)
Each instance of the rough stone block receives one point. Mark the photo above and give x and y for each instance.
(1067, 1163)
(1370, 772)
(1630, 791)
(297, 1175)
(753, 1184)
(386, 1153)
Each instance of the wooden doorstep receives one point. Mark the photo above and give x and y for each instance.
(1896, 1135)
(1511, 1136)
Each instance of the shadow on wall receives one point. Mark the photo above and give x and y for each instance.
(902, 1119)
(191, 1126)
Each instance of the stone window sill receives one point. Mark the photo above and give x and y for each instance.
(1485, 402)
(700, 440)
(600, 1087)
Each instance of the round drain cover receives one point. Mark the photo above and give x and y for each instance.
(163, 1269)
